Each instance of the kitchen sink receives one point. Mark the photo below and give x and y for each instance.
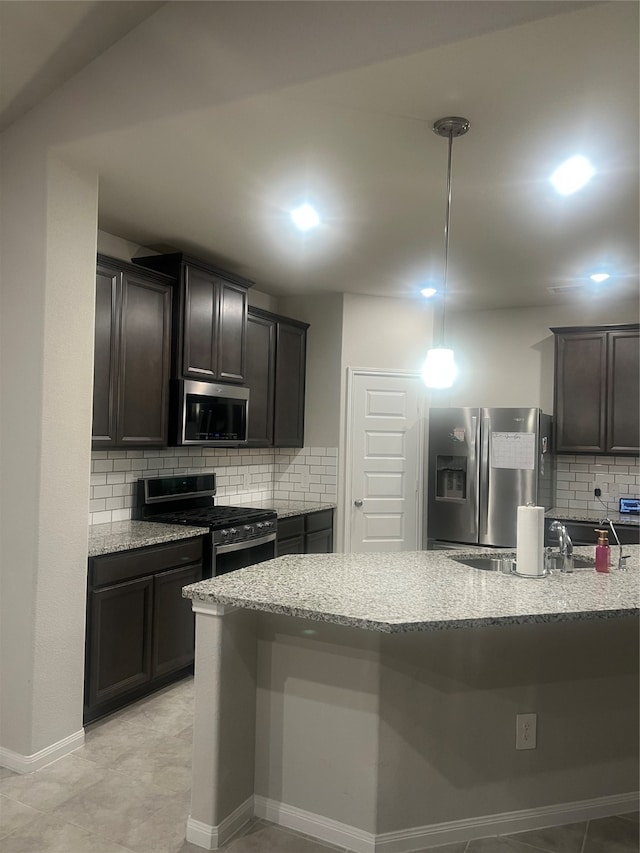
(502, 563)
(506, 562)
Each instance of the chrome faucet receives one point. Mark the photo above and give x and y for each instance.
(622, 560)
(565, 546)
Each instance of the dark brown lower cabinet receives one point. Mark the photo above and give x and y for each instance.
(310, 533)
(140, 631)
(120, 639)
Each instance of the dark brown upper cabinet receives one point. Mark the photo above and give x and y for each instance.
(276, 365)
(210, 319)
(131, 356)
(597, 384)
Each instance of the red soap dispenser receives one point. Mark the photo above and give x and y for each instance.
(602, 552)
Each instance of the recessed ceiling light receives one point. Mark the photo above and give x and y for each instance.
(599, 277)
(305, 217)
(571, 175)
(428, 292)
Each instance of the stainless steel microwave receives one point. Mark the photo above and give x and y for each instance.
(209, 414)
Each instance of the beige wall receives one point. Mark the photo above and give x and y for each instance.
(429, 719)
(47, 309)
(505, 357)
(385, 333)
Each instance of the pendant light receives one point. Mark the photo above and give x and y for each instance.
(439, 369)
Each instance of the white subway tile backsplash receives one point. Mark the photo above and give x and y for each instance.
(103, 491)
(99, 517)
(242, 474)
(575, 481)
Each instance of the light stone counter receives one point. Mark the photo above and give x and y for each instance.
(420, 591)
(126, 535)
(286, 508)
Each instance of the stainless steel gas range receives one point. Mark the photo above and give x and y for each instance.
(239, 536)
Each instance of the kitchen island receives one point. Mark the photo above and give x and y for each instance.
(370, 700)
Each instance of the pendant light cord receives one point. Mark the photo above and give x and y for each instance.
(446, 238)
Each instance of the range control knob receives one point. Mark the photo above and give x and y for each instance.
(247, 528)
(233, 531)
(224, 533)
(259, 525)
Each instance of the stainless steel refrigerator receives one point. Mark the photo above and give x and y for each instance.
(482, 465)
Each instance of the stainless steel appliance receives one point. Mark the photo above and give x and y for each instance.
(239, 536)
(209, 414)
(482, 465)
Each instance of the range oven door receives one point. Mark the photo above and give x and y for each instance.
(239, 555)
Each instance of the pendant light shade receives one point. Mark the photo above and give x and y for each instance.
(439, 370)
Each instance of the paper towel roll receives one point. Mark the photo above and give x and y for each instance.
(530, 541)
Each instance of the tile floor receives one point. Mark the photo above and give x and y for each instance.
(127, 791)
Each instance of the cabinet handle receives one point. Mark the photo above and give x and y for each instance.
(357, 502)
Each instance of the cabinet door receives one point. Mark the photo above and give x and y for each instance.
(173, 620)
(320, 542)
(231, 332)
(145, 340)
(292, 545)
(261, 342)
(120, 639)
(623, 397)
(580, 392)
(105, 363)
(289, 388)
(200, 310)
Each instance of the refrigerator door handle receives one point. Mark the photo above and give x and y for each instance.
(473, 469)
(485, 468)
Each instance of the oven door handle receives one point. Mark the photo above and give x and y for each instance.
(247, 543)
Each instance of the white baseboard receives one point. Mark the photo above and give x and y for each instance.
(322, 828)
(434, 835)
(212, 837)
(28, 763)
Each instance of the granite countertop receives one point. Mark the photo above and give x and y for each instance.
(420, 591)
(286, 508)
(126, 535)
(593, 516)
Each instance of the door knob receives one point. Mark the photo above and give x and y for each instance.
(357, 502)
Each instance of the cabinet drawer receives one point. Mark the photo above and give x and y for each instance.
(127, 565)
(322, 520)
(292, 526)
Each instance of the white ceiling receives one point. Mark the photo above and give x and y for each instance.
(243, 109)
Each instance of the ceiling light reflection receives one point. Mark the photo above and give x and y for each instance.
(571, 175)
(305, 217)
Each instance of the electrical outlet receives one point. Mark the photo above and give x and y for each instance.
(526, 725)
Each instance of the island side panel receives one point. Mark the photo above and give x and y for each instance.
(224, 724)
(317, 726)
(448, 705)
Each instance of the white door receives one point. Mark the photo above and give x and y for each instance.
(384, 462)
